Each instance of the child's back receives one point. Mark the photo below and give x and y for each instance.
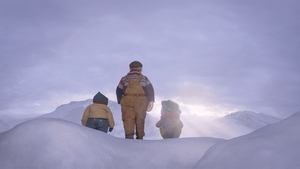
(98, 115)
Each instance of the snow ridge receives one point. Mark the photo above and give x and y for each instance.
(272, 147)
(55, 144)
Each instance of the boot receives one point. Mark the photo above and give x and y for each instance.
(139, 138)
(129, 136)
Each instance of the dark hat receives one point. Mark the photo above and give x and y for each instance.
(100, 98)
(135, 64)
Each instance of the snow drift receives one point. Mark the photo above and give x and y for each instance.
(233, 125)
(249, 119)
(73, 112)
(227, 127)
(58, 144)
(9, 121)
(272, 147)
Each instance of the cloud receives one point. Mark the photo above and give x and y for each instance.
(236, 53)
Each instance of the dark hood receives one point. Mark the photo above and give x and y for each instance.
(100, 98)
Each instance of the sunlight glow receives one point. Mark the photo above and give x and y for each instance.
(207, 109)
(203, 110)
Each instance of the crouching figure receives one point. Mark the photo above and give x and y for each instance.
(170, 125)
(98, 115)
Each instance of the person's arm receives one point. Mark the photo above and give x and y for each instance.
(119, 91)
(85, 116)
(149, 90)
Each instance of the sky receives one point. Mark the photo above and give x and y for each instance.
(217, 55)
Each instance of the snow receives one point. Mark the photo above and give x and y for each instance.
(233, 125)
(249, 119)
(230, 126)
(227, 127)
(73, 112)
(55, 144)
(3, 125)
(7, 121)
(275, 146)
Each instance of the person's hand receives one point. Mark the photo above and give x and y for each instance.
(110, 129)
(150, 106)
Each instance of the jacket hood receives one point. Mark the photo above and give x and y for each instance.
(100, 98)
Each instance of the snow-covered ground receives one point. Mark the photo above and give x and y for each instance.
(9, 121)
(227, 127)
(232, 125)
(58, 144)
(249, 119)
(3, 125)
(58, 140)
(276, 146)
(74, 110)
(50, 143)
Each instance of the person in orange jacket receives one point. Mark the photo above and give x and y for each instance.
(98, 115)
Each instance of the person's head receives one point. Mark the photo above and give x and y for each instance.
(136, 66)
(100, 98)
(170, 106)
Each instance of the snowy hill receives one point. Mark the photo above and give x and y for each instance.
(70, 112)
(275, 146)
(8, 122)
(73, 112)
(55, 144)
(230, 126)
(3, 125)
(58, 144)
(250, 119)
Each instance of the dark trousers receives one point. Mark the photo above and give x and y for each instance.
(98, 124)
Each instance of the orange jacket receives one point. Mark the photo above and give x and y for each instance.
(97, 110)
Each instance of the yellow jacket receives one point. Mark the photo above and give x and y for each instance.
(97, 110)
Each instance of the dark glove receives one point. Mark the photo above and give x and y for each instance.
(110, 129)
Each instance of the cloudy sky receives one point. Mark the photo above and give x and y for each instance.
(222, 55)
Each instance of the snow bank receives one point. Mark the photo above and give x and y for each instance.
(233, 125)
(73, 112)
(7, 122)
(273, 147)
(58, 144)
(249, 119)
(227, 127)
